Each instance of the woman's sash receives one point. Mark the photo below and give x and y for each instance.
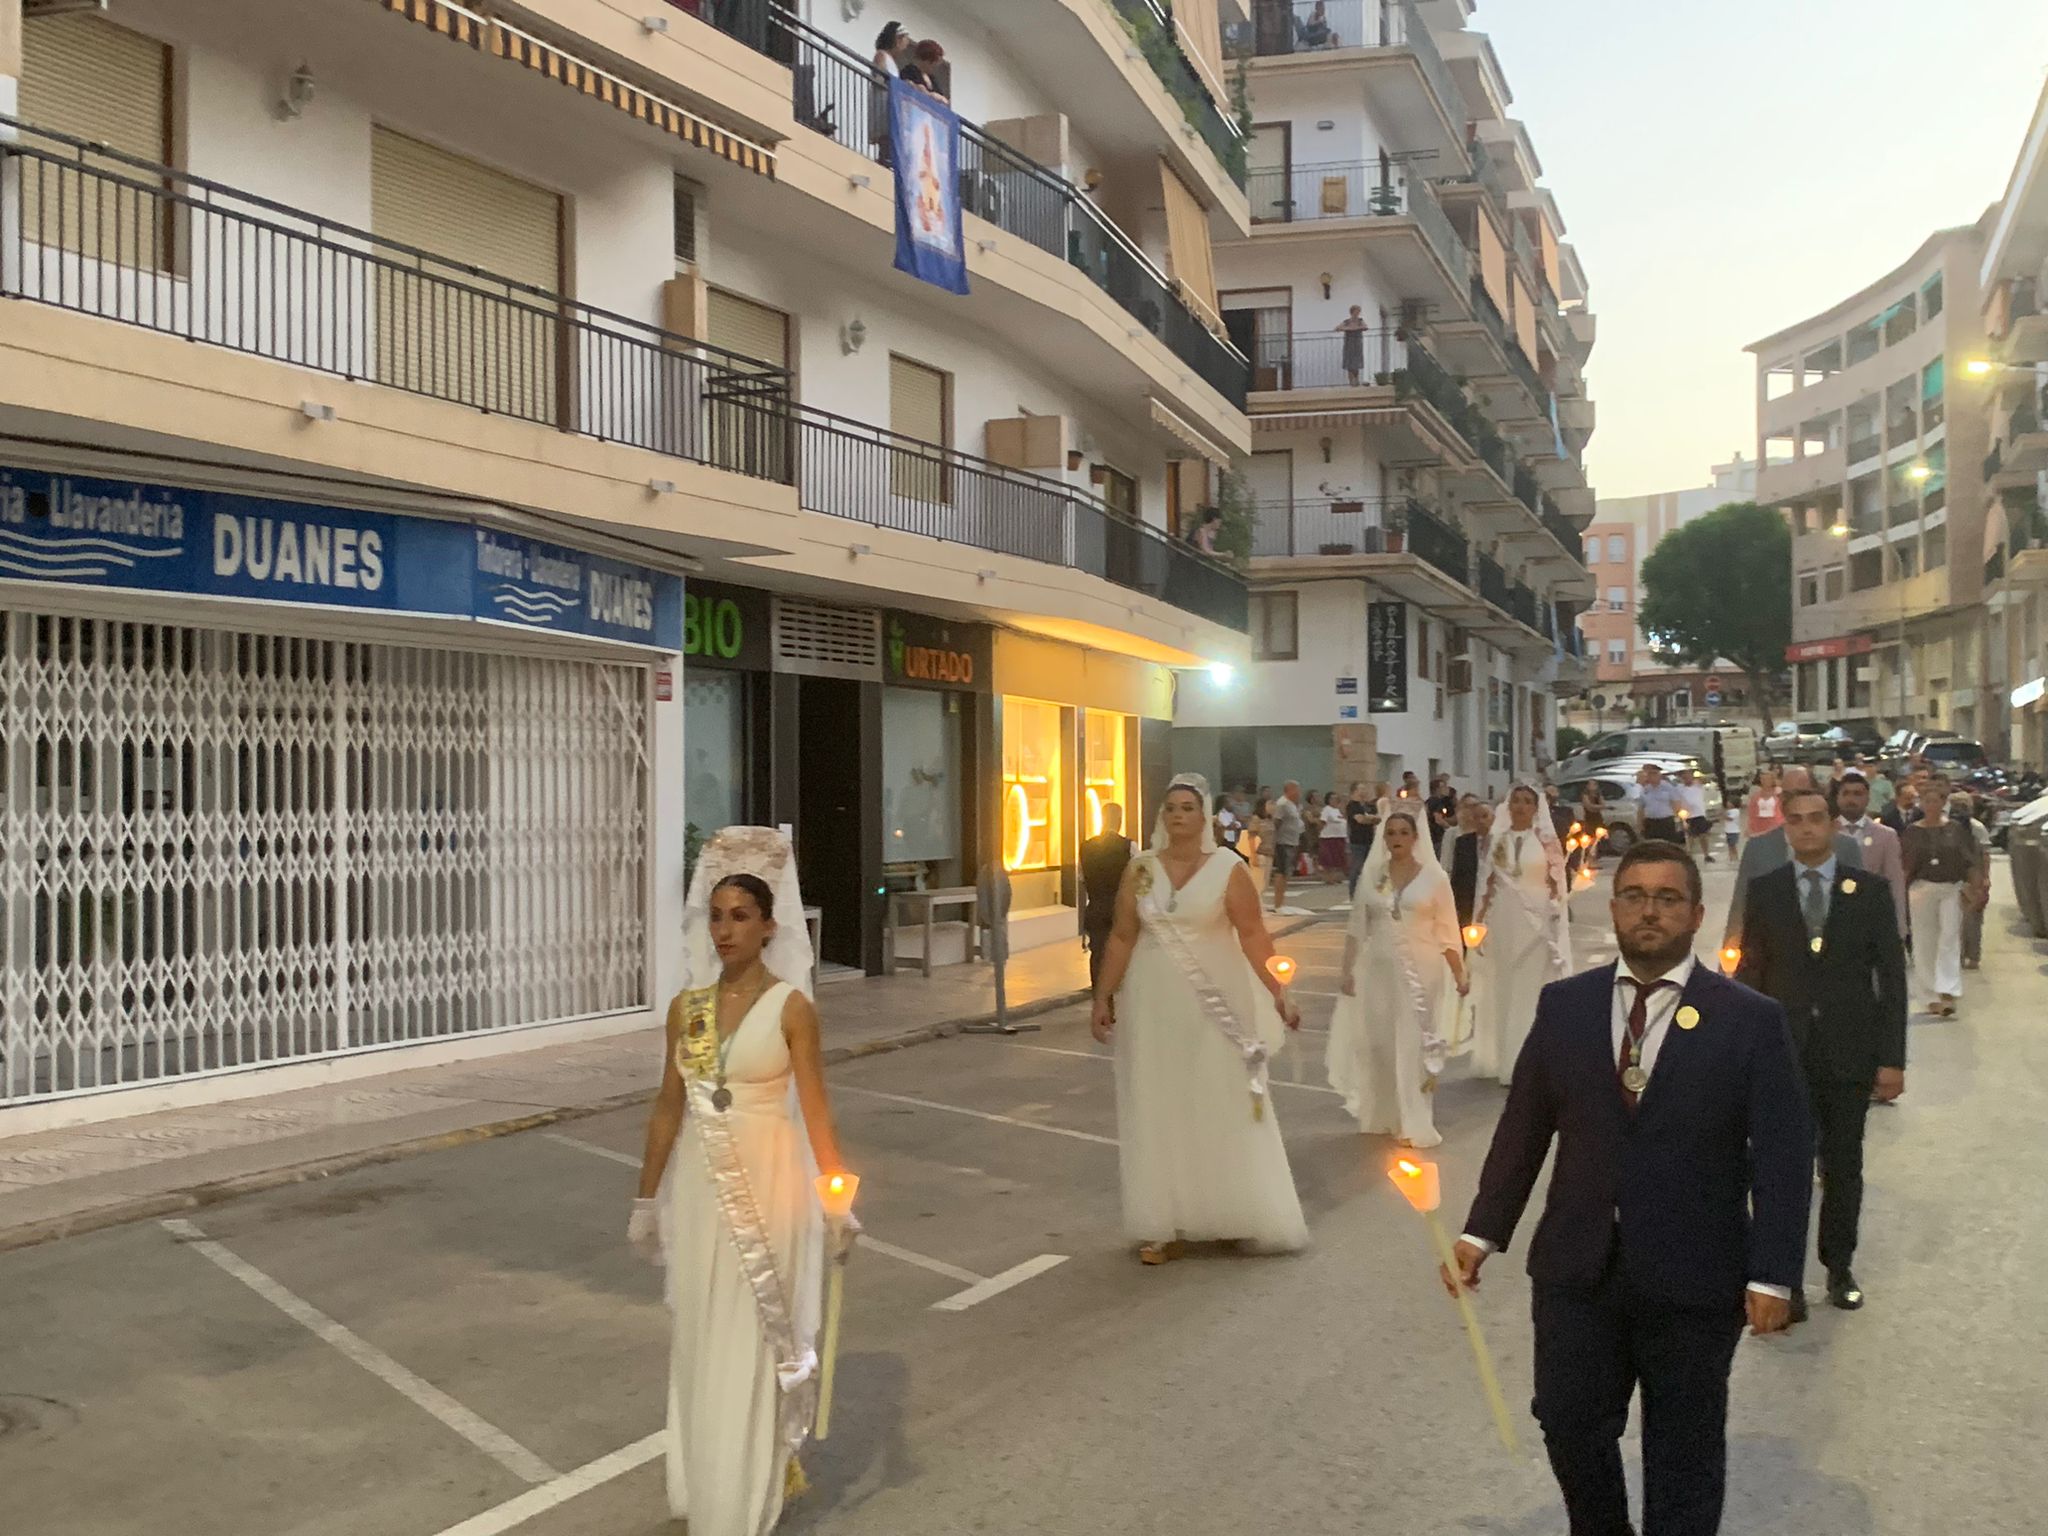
(1433, 1043)
(1547, 919)
(1246, 1042)
(796, 1367)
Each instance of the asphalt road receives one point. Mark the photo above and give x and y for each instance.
(444, 1345)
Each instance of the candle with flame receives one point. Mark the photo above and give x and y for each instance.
(1600, 834)
(835, 1194)
(1578, 827)
(1731, 957)
(1422, 1187)
(1475, 935)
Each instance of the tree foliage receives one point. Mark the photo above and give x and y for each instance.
(1721, 587)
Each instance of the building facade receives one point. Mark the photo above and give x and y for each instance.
(1629, 684)
(1417, 327)
(454, 462)
(2014, 369)
(1872, 439)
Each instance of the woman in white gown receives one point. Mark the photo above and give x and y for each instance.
(728, 1196)
(1185, 994)
(1404, 972)
(1522, 905)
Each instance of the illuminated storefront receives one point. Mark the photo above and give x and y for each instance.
(1035, 789)
(1105, 774)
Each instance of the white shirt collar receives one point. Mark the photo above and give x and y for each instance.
(1680, 975)
(1826, 870)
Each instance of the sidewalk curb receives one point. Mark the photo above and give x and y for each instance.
(198, 1196)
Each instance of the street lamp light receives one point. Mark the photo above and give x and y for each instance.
(1841, 531)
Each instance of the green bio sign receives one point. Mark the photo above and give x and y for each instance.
(724, 626)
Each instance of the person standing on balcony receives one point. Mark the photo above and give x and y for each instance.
(1353, 328)
(892, 52)
(1205, 531)
(930, 69)
(1187, 999)
(728, 1200)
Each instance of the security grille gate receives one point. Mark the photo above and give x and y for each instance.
(223, 850)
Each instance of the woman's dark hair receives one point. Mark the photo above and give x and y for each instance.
(755, 887)
(889, 35)
(1653, 850)
(1407, 816)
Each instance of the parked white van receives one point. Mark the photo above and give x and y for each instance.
(1731, 749)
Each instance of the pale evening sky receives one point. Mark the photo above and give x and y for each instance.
(1728, 169)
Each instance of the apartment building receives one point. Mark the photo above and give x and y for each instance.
(1417, 328)
(1629, 683)
(1871, 438)
(454, 460)
(2014, 372)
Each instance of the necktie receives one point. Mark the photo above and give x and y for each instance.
(1632, 1039)
(1815, 905)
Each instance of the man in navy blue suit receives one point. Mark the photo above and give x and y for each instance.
(1677, 1206)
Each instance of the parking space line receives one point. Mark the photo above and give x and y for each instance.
(1056, 1050)
(1016, 1274)
(978, 1114)
(591, 1147)
(488, 1438)
(888, 1250)
(560, 1490)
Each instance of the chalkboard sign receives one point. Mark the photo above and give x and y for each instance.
(1386, 659)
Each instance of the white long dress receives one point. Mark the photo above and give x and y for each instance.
(727, 1454)
(1528, 943)
(1196, 1163)
(1402, 1006)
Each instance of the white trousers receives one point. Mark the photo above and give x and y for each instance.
(1937, 912)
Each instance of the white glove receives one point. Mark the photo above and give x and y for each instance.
(643, 1232)
(841, 1232)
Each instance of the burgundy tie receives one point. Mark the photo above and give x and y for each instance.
(1638, 1024)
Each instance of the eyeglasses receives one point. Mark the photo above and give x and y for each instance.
(1635, 898)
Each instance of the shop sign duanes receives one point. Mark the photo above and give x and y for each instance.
(1386, 660)
(922, 652)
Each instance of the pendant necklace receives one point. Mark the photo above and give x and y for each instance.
(721, 1096)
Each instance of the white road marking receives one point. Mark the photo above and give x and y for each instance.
(889, 1250)
(559, 1490)
(1017, 1274)
(936, 1266)
(1055, 1050)
(978, 1114)
(488, 1438)
(591, 1147)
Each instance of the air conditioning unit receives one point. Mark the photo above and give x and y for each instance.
(1460, 679)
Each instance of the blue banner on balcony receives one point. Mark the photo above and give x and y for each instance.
(924, 146)
(72, 531)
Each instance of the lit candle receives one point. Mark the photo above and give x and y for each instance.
(1731, 957)
(835, 1194)
(1475, 935)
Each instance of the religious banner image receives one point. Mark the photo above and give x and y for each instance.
(924, 143)
(1386, 659)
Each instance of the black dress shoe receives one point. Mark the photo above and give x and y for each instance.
(1843, 1291)
(1798, 1304)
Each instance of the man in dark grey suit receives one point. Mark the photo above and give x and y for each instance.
(1771, 851)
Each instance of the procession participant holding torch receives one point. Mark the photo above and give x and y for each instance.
(729, 1190)
(1677, 1206)
(1180, 993)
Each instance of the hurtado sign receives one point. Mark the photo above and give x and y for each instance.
(923, 652)
(71, 531)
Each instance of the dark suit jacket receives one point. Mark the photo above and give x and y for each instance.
(1846, 1005)
(1103, 862)
(1708, 1181)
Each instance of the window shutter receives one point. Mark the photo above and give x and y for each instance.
(750, 329)
(88, 78)
(917, 409)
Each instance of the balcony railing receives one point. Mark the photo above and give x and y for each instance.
(1329, 360)
(1861, 448)
(1151, 26)
(1994, 460)
(1282, 27)
(839, 94)
(1356, 189)
(1523, 605)
(1436, 541)
(1425, 378)
(1492, 582)
(1527, 491)
(746, 20)
(88, 230)
(1333, 525)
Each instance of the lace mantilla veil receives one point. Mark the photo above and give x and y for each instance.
(767, 854)
(1425, 845)
(1200, 786)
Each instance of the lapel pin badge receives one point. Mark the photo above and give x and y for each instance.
(1688, 1017)
(1848, 887)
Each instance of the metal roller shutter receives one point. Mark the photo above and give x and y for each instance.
(750, 329)
(97, 81)
(445, 332)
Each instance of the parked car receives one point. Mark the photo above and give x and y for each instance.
(1729, 751)
(1806, 741)
(1954, 755)
(1619, 792)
